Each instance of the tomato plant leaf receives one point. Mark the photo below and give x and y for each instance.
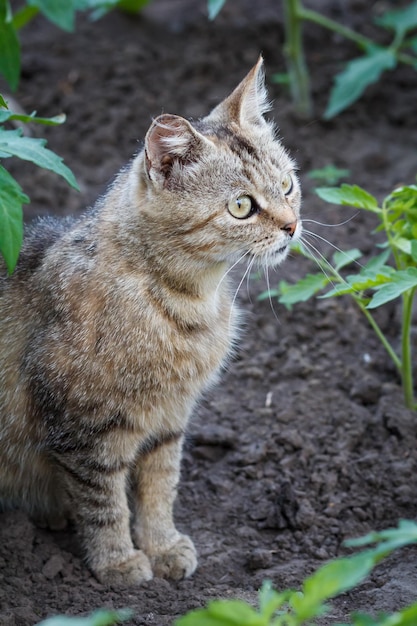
(343, 258)
(303, 290)
(59, 12)
(10, 47)
(350, 195)
(12, 143)
(330, 580)
(355, 78)
(400, 20)
(11, 218)
(401, 281)
(214, 7)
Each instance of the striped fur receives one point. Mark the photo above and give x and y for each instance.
(114, 324)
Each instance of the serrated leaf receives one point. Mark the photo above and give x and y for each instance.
(59, 12)
(356, 77)
(30, 149)
(303, 290)
(400, 282)
(11, 218)
(400, 20)
(349, 195)
(376, 264)
(343, 258)
(214, 7)
(10, 47)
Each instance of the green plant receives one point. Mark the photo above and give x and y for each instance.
(12, 198)
(294, 608)
(376, 282)
(99, 618)
(328, 175)
(13, 142)
(62, 14)
(359, 73)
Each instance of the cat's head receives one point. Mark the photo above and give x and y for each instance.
(223, 187)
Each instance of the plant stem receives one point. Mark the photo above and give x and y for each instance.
(396, 360)
(326, 22)
(293, 48)
(407, 365)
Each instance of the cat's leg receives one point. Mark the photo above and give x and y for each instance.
(97, 493)
(172, 554)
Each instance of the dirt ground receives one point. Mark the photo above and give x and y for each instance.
(305, 442)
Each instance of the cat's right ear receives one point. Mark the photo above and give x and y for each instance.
(171, 144)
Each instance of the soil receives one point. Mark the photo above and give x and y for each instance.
(306, 441)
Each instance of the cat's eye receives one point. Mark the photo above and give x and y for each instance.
(242, 207)
(286, 184)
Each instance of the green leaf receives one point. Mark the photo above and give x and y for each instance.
(350, 195)
(47, 121)
(23, 16)
(401, 281)
(214, 7)
(303, 290)
(132, 6)
(10, 47)
(414, 250)
(99, 618)
(11, 219)
(59, 12)
(329, 174)
(3, 102)
(358, 74)
(376, 264)
(30, 149)
(330, 580)
(400, 20)
(341, 259)
(404, 534)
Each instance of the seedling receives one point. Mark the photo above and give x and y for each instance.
(328, 175)
(294, 608)
(390, 274)
(358, 74)
(12, 197)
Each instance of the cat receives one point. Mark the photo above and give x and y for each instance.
(114, 323)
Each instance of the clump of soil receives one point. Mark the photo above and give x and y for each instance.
(305, 442)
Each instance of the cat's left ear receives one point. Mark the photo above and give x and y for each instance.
(171, 141)
(248, 103)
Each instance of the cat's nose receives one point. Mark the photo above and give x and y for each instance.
(289, 228)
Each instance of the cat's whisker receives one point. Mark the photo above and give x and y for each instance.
(312, 234)
(247, 271)
(320, 259)
(305, 219)
(268, 284)
(229, 269)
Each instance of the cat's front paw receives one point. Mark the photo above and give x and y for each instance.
(134, 571)
(178, 562)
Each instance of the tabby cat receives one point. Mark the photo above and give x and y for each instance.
(114, 323)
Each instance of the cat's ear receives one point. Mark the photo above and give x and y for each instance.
(171, 141)
(248, 103)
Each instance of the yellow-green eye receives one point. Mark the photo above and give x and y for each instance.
(241, 207)
(286, 184)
